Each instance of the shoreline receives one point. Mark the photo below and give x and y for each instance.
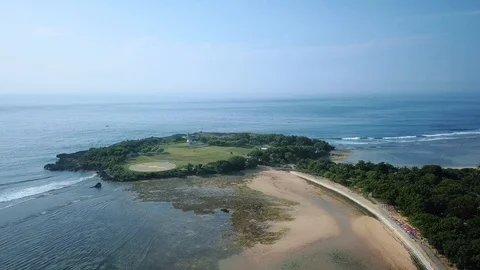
(320, 221)
(413, 248)
(340, 155)
(352, 156)
(309, 223)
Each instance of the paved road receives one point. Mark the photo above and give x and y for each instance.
(344, 191)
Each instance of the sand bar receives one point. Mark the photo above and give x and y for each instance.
(369, 206)
(379, 239)
(311, 225)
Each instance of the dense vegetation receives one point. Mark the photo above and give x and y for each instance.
(235, 163)
(278, 149)
(110, 162)
(442, 203)
(102, 158)
(251, 139)
(282, 155)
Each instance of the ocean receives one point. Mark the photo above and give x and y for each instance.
(44, 222)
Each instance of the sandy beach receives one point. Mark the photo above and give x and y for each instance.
(381, 241)
(311, 226)
(424, 259)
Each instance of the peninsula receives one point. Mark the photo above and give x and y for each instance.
(191, 154)
(442, 204)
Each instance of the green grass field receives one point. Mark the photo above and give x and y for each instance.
(180, 154)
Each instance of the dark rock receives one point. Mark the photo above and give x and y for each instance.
(225, 210)
(73, 155)
(53, 167)
(97, 185)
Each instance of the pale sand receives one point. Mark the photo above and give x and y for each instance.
(412, 246)
(382, 242)
(310, 223)
(152, 167)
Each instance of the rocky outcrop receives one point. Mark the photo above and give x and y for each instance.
(97, 185)
(71, 162)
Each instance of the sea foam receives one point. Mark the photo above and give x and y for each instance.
(10, 195)
(351, 138)
(399, 137)
(457, 133)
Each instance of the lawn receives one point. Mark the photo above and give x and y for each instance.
(180, 154)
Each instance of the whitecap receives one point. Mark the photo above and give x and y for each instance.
(458, 133)
(30, 191)
(399, 138)
(351, 138)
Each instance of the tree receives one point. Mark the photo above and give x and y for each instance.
(251, 163)
(223, 166)
(463, 207)
(238, 162)
(290, 157)
(189, 167)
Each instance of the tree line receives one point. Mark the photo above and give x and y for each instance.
(443, 203)
(102, 158)
(110, 162)
(233, 164)
(252, 139)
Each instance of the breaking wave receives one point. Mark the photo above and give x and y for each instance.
(351, 138)
(458, 133)
(400, 137)
(30, 191)
(406, 139)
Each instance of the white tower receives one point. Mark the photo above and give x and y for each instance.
(189, 139)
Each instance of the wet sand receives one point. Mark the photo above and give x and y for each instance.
(310, 223)
(380, 240)
(426, 260)
(325, 232)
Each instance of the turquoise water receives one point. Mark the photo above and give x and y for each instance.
(404, 130)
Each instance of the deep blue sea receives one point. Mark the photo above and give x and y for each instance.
(404, 130)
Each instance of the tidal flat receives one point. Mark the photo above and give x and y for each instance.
(252, 212)
(277, 221)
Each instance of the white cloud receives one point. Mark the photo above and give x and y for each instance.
(44, 31)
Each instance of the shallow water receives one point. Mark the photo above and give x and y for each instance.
(165, 224)
(344, 251)
(53, 219)
(403, 130)
(84, 228)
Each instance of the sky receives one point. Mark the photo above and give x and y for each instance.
(238, 48)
